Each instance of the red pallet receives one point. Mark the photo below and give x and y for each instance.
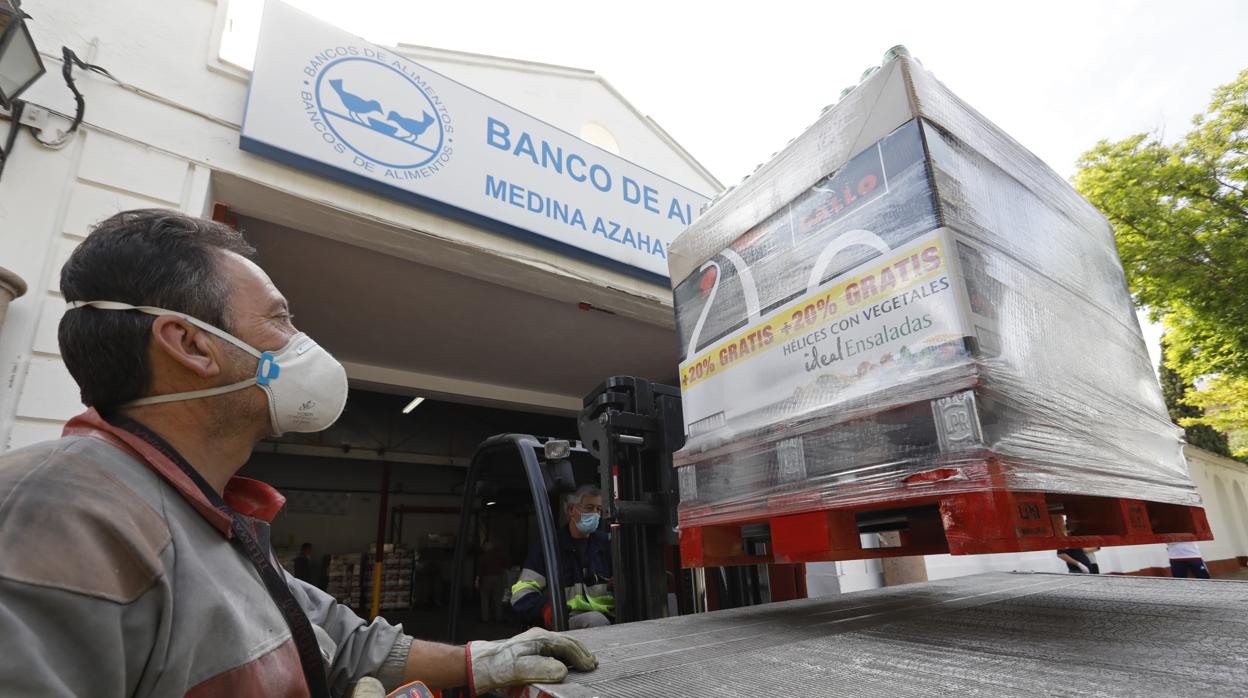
(961, 523)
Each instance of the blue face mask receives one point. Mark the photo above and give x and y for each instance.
(588, 523)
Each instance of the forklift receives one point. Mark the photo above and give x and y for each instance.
(628, 427)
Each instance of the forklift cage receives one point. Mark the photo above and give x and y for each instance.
(630, 426)
(526, 447)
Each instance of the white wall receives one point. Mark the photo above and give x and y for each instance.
(1223, 485)
(51, 200)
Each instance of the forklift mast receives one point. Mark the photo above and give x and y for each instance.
(632, 426)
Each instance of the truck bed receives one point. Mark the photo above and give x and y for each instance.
(998, 634)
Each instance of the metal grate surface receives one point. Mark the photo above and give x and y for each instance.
(990, 635)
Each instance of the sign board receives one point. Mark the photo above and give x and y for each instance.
(325, 101)
(875, 203)
(897, 314)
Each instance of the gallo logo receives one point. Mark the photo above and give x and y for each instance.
(382, 110)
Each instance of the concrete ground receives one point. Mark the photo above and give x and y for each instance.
(997, 634)
(431, 623)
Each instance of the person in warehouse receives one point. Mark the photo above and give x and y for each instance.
(136, 562)
(584, 568)
(303, 563)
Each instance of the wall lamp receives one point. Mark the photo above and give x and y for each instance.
(20, 64)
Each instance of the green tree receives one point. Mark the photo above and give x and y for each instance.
(1175, 390)
(1180, 218)
(1222, 404)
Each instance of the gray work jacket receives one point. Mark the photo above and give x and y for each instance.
(118, 578)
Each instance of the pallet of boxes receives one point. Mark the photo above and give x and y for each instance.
(398, 562)
(344, 578)
(905, 322)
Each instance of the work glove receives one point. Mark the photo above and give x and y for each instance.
(368, 687)
(525, 658)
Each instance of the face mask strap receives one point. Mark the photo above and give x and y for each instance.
(152, 310)
(178, 397)
(266, 370)
(267, 367)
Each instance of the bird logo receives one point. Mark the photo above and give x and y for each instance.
(355, 104)
(412, 128)
(381, 112)
(395, 125)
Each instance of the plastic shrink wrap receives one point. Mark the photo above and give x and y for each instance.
(905, 297)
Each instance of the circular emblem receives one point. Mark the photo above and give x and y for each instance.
(379, 112)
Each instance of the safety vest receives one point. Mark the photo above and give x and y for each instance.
(584, 581)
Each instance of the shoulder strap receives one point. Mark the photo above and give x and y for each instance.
(244, 538)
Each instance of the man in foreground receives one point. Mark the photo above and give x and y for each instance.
(134, 562)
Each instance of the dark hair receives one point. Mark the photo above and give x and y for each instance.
(305, 546)
(153, 257)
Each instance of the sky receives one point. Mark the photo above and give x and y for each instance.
(733, 82)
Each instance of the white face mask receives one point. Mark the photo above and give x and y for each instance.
(305, 385)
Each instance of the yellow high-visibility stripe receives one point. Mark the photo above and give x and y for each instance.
(583, 603)
(522, 587)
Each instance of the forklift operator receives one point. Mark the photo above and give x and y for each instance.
(584, 568)
(135, 562)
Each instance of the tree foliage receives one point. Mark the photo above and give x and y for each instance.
(1180, 217)
(1175, 390)
(1221, 404)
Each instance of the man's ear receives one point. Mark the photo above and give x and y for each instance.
(187, 345)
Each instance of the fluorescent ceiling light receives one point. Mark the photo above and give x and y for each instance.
(490, 504)
(412, 405)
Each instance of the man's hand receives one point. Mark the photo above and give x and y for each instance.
(526, 658)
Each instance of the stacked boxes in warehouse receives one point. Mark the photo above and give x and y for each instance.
(396, 577)
(344, 578)
(350, 578)
(906, 321)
